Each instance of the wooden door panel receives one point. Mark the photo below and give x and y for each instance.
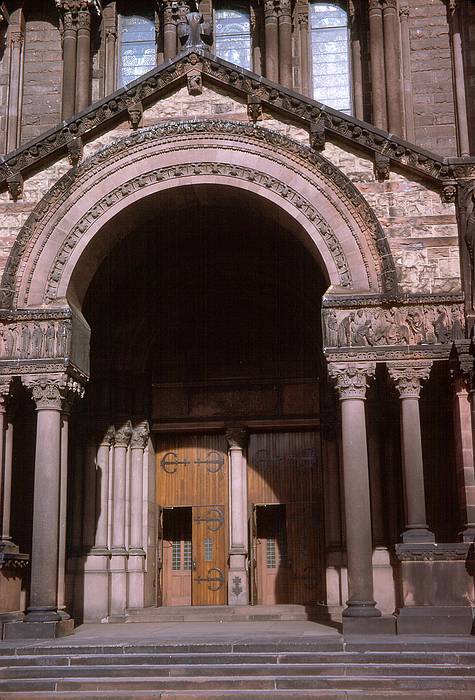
(209, 556)
(177, 557)
(303, 552)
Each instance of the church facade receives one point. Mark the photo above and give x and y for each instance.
(237, 302)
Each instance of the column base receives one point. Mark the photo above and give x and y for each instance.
(369, 625)
(467, 535)
(417, 535)
(38, 630)
(359, 609)
(238, 585)
(431, 619)
(43, 614)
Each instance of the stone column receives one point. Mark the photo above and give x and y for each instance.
(70, 32)
(392, 62)
(271, 35)
(63, 508)
(118, 562)
(305, 77)
(464, 415)
(356, 66)
(49, 393)
(110, 32)
(378, 82)
(351, 382)
(407, 378)
(406, 71)
(169, 31)
(459, 79)
(285, 43)
(83, 60)
(16, 39)
(6, 464)
(136, 566)
(238, 586)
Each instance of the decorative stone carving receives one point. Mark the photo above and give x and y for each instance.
(254, 108)
(466, 207)
(317, 136)
(449, 193)
(194, 82)
(47, 392)
(194, 31)
(393, 326)
(107, 437)
(140, 436)
(351, 379)
(236, 438)
(35, 340)
(135, 112)
(123, 435)
(15, 186)
(456, 551)
(75, 151)
(407, 378)
(381, 167)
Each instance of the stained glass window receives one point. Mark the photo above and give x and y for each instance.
(330, 55)
(232, 34)
(137, 48)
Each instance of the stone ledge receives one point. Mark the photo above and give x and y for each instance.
(369, 625)
(38, 630)
(437, 620)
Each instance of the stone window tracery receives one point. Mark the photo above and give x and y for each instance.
(232, 33)
(137, 45)
(330, 52)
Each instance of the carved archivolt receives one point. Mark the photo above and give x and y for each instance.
(353, 211)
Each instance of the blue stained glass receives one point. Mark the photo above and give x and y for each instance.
(232, 35)
(330, 56)
(137, 48)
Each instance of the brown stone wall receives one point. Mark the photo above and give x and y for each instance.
(42, 71)
(431, 64)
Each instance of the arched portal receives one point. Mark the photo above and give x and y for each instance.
(196, 256)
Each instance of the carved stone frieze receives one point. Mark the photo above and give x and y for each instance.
(375, 326)
(140, 436)
(408, 377)
(456, 551)
(34, 340)
(351, 379)
(123, 435)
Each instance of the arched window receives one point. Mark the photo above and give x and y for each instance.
(232, 34)
(137, 47)
(330, 41)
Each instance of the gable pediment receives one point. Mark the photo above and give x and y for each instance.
(197, 68)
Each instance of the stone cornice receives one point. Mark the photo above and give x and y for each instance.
(456, 551)
(275, 99)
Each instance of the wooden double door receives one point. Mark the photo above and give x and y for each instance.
(192, 491)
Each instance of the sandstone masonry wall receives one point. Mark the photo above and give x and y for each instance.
(433, 92)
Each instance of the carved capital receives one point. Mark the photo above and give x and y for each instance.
(270, 8)
(408, 378)
(47, 392)
(236, 438)
(5, 388)
(123, 435)
(16, 39)
(84, 20)
(107, 437)
(140, 435)
(284, 8)
(351, 379)
(389, 4)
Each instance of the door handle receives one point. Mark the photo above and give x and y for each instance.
(193, 565)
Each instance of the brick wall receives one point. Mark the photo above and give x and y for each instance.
(42, 71)
(431, 66)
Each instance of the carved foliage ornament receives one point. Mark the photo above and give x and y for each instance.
(140, 436)
(408, 378)
(50, 392)
(351, 379)
(123, 435)
(236, 438)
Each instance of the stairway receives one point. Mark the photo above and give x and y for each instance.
(232, 613)
(327, 668)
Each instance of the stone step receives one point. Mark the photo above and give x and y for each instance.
(226, 613)
(235, 670)
(322, 694)
(126, 659)
(296, 683)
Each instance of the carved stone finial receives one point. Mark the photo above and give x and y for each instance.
(75, 150)
(237, 438)
(140, 436)
(123, 435)
(381, 167)
(408, 378)
(351, 379)
(194, 82)
(194, 31)
(317, 136)
(449, 193)
(135, 112)
(254, 108)
(15, 186)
